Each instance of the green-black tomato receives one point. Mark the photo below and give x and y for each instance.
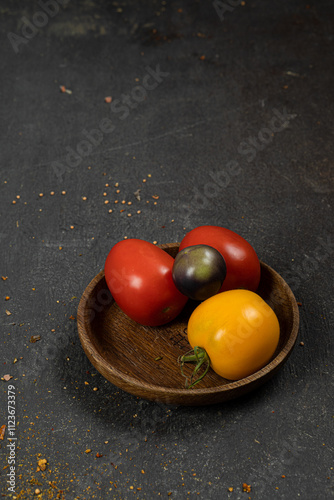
(199, 271)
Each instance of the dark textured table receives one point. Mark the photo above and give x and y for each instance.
(221, 113)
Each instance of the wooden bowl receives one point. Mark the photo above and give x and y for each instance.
(142, 360)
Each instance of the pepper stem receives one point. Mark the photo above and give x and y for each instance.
(200, 357)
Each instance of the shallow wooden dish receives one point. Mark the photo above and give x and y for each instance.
(126, 353)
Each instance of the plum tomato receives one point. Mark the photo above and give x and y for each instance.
(235, 332)
(139, 277)
(242, 263)
(199, 271)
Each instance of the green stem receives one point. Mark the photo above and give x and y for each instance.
(200, 357)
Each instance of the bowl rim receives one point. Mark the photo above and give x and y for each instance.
(133, 382)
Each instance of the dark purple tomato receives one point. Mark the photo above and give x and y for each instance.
(199, 271)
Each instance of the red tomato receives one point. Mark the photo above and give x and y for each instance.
(242, 263)
(139, 277)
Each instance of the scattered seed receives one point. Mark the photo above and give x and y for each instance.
(40, 195)
(7, 377)
(63, 192)
(88, 450)
(106, 202)
(2, 432)
(129, 215)
(110, 210)
(246, 487)
(7, 297)
(116, 185)
(155, 196)
(107, 185)
(4, 278)
(52, 193)
(35, 338)
(138, 211)
(41, 465)
(144, 180)
(108, 99)
(104, 194)
(84, 198)
(18, 196)
(13, 202)
(301, 344)
(116, 201)
(129, 202)
(37, 491)
(118, 191)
